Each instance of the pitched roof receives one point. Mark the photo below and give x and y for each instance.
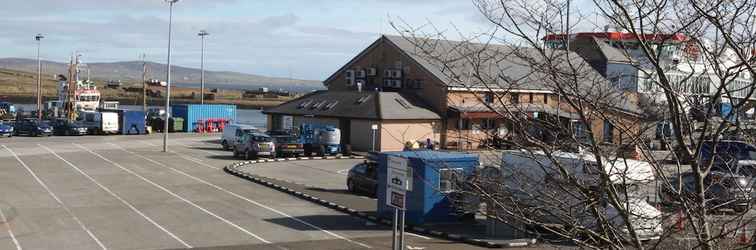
(357, 105)
(509, 68)
(592, 47)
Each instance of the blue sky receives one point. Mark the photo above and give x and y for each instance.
(308, 39)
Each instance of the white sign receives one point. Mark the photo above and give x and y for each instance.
(395, 199)
(397, 173)
(398, 181)
(374, 127)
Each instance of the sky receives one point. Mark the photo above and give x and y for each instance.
(304, 39)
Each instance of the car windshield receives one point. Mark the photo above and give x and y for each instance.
(261, 138)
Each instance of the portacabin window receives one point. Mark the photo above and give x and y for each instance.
(450, 179)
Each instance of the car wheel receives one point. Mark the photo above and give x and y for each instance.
(225, 145)
(350, 186)
(321, 151)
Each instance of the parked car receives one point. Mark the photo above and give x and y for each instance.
(363, 178)
(254, 145)
(724, 190)
(67, 128)
(736, 157)
(6, 129)
(233, 133)
(288, 146)
(33, 127)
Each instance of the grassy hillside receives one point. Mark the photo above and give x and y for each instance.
(132, 71)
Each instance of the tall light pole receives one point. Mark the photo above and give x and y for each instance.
(39, 37)
(168, 80)
(202, 34)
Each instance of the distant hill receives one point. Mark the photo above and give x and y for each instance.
(131, 71)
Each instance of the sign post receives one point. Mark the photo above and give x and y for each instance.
(398, 182)
(373, 130)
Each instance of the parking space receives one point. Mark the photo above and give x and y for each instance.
(123, 193)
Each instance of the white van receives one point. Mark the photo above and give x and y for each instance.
(100, 122)
(535, 178)
(233, 132)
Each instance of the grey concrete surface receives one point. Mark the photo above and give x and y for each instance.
(121, 192)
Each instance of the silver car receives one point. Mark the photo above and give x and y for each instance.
(254, 145)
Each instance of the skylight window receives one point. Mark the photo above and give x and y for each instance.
(403, 103)
(304, 104)
(330, 105)
(363, 99)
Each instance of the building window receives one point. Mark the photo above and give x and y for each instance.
(545, 98)
(463, 124)
(488, 124)
(608, 131)
(581, 131)
(515, 98)
(450, 179)
(530, 98)
(488, 97)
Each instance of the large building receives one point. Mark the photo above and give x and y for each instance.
(618, 56)
(412, 98)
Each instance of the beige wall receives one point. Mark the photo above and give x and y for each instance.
(395, 133)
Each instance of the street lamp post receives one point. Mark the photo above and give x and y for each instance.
(39, 37)
(168, 77)
(202, 34)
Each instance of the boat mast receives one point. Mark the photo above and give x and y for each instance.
(73, 77)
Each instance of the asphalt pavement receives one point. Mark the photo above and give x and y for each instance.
(122, 192)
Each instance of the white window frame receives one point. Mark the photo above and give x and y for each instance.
(447, 186)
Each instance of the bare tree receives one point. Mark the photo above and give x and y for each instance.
(581, 183)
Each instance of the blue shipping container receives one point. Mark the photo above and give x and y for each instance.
(133, 122)
(428, 201)
(193, 113)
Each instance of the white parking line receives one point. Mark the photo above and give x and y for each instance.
(246, 199)
(106, 189)
(343, 171)
(419, 236)
(10, 231)
(175, 195)
(55, 197)
(188, 158)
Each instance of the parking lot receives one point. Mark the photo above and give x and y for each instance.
(122, 192)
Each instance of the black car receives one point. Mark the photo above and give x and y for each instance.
(724, 190)
(33, 127)
(67, 128)
(363, 178)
